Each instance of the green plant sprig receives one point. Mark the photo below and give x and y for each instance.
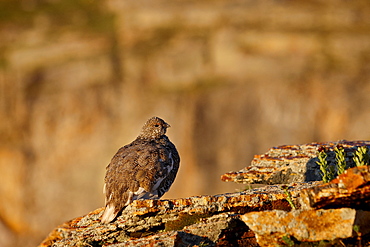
(326, 172)
(361, 156)
(340, 158)
(288, 196)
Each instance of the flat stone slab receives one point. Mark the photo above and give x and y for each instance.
(276, 228)
(291, 163)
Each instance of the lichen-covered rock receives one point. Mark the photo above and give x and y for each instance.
(324, 213)
(291, 163)
(168, 239)
(350, 189)
(213, 226)
(212, 218)
(274, 228)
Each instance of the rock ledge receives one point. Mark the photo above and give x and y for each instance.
(336, 212)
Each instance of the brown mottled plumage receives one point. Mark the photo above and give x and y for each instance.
(143, 169)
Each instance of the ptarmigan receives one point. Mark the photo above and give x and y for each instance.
(143, 169)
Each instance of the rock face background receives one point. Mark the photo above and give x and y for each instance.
(79, 78)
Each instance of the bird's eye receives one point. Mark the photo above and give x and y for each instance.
(157, 125)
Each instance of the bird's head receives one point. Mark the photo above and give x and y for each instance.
(154, 128)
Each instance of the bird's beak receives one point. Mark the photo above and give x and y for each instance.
(167, 125)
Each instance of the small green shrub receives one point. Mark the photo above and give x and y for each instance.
(326, 172)
(361, 156)
(340, 159)
(287, 240)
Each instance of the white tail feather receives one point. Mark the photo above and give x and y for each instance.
(108, 214)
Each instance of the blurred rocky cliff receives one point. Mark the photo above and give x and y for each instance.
(233, 78)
